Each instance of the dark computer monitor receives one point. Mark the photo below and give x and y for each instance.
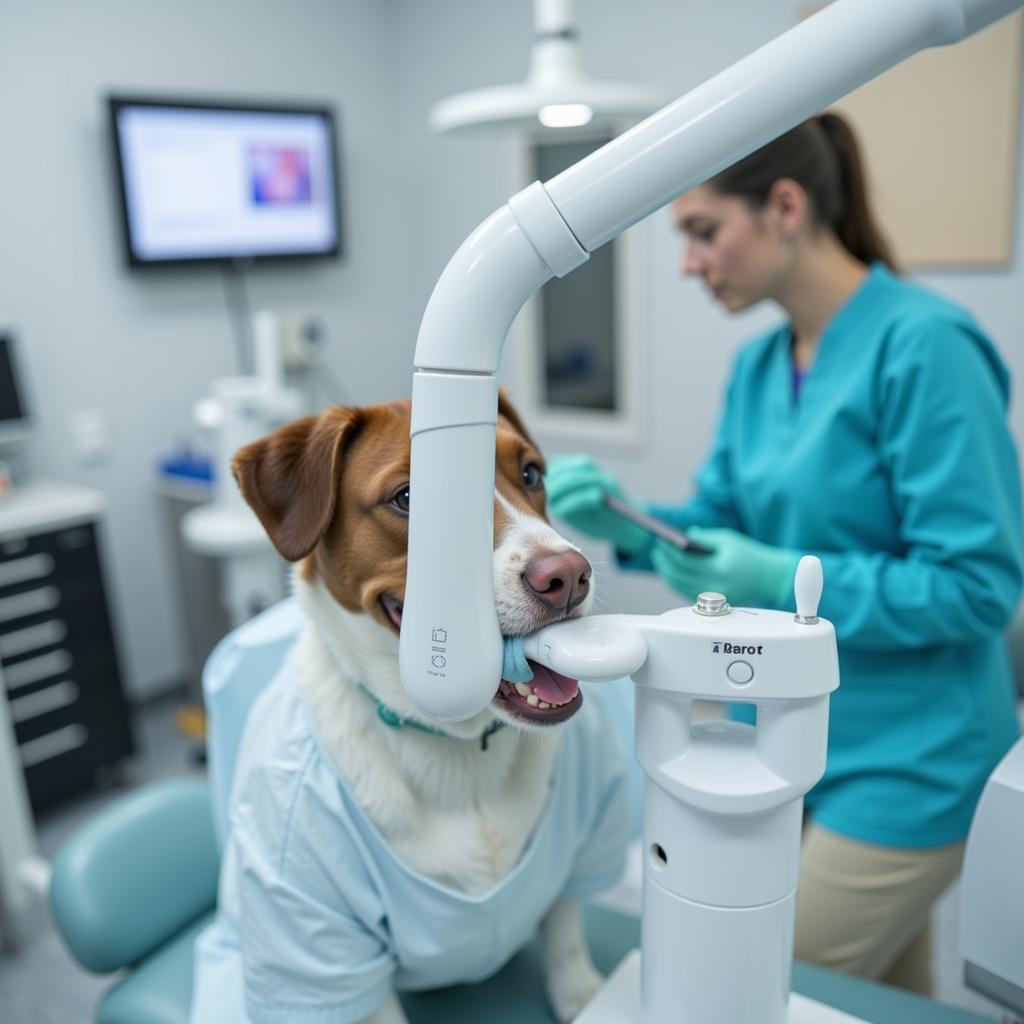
(14, 422)
(205, 182)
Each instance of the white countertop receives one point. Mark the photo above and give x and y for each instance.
(45, 505)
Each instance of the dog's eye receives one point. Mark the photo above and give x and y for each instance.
(533, 478)
(400, 500)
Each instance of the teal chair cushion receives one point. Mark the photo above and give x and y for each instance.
(136, 885)
(141, 870)
(873, 1001)
(159, 990)
(515, 994)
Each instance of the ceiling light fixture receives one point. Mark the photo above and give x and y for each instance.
(557, 94)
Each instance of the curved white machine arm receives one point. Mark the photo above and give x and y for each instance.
(450, 643)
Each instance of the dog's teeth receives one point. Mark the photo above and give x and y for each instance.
(533, 700)
(523, 690)
(543, 706)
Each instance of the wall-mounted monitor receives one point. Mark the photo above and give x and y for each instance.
(14, 421)
(220, 182)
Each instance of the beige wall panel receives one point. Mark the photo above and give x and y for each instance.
(940, 136)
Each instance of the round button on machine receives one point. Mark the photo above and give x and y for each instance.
(740, 672)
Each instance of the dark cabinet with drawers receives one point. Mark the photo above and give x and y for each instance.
(59, 662)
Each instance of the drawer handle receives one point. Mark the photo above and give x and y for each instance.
(33, 670)
(74, 538)
(31, 638)
(31, 567)
(52, 698)
(53, 744)
(31, 602)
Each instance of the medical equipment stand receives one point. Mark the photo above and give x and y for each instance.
(722, 801)
(451, 645)
(241, 410)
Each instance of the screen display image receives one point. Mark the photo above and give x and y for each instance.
(14, 422)
(212, 182)
(280, 175)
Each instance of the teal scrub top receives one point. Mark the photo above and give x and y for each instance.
(318, 919)
(896, 467)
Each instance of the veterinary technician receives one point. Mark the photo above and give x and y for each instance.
(869, 429)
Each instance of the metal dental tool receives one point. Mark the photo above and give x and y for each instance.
(656, 526)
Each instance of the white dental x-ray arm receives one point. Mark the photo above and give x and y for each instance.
(722, 800)
(451, 648)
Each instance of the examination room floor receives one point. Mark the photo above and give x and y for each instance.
(42, 985)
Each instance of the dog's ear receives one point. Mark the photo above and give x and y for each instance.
(290, 479)
(507, 409)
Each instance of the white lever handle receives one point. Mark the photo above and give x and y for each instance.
(810, 579)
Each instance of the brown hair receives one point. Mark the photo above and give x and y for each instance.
(823, 157)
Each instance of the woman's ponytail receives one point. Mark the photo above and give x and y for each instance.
(823, 157)
(855, 224)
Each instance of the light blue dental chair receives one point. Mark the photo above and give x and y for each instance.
(134, 886)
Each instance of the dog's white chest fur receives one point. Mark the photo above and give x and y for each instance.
(472, 839)
(451, 811)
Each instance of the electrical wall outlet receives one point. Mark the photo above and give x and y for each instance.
(91, 437)
(301, 337)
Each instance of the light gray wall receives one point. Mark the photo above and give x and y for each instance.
(448, 46)
(142, 347)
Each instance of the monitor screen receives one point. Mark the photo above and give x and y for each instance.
(202, 182)
(14, 423)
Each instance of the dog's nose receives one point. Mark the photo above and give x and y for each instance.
(562, 581)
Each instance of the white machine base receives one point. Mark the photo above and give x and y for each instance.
(619, 1002)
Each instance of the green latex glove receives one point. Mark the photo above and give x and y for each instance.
(745, 570)
(576, 487)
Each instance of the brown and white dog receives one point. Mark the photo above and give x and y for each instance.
(332, 492)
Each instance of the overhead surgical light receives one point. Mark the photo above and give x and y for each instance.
(557, 93)
(565, 115)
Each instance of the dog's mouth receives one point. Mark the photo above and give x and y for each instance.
(549, 698)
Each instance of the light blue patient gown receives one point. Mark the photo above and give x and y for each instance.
(317, 917)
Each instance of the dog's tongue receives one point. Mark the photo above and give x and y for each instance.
(552, 687)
